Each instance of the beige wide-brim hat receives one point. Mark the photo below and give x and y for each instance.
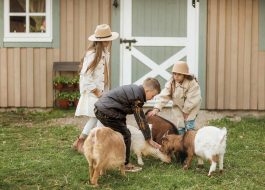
(103, 33)
(181, 67)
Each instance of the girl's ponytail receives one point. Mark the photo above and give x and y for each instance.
(172, 87)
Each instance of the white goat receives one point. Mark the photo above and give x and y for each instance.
(140, 146)
(210, 144)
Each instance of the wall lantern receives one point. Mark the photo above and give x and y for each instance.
(115, 3)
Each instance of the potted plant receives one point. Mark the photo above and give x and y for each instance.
(62, 100)
(74, 97)
(75, 81)
(60, 82)
(70, 83)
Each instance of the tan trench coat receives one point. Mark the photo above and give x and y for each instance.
(186, 99)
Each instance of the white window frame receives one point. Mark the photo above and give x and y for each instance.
(27, 36)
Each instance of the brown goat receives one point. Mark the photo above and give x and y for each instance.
(104, 149)
(162, 127)
(180, 143)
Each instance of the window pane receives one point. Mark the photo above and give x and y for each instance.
(37, 6)
(18, 6)
(37, 24)
(17, 24)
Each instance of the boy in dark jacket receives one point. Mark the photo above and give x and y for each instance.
(111, 110)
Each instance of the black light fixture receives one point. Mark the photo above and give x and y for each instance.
(115, 3)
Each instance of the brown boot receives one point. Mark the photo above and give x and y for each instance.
(78, 145)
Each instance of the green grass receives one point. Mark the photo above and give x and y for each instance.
(35, 155)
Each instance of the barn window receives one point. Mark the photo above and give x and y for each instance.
(27, 21)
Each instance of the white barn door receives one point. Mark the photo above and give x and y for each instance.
(154, 35)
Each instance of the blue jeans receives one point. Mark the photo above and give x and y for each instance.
(189, 125)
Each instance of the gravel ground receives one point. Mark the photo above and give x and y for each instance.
(203, 117)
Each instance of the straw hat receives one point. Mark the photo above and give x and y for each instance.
(181, 67)
(103, 33)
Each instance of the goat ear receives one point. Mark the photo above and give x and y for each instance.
(164, 139)
(150, 126)
(164, 136)
(166, 133)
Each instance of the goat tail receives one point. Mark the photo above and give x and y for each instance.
(93, 138)
(95, 135)
(223, 135)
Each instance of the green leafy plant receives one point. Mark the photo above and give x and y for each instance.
(64, 96)
(74, 96)
(75, 80)
(61, 80)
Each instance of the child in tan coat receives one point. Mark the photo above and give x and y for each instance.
(184, 90)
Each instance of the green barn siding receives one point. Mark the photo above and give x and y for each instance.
(139, 69)
(115, 50)
(182, 30)
(167, 18)
(156, 54)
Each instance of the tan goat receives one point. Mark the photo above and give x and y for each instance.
(104, 149)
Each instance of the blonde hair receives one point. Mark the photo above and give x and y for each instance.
(152, 84)
(98, 47)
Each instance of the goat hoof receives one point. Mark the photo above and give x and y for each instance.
(221, 171)
(93, 184)
(141, 163)
(199, 166)
(185, 167)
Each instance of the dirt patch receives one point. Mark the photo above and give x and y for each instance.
(203, 117)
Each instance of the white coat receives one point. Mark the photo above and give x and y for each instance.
(90, 81)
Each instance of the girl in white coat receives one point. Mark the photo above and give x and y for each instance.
(94, 78)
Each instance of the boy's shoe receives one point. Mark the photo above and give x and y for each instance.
(132, 168)
(78, 145)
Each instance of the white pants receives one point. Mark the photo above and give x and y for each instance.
(92, 123)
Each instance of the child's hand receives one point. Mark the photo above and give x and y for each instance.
(153, 112)
(154, 144)
(97, 93)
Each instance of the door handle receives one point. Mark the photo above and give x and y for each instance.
(194, 3)
(129, 42)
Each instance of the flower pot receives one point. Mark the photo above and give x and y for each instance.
(58, 86)
(76, 102)
(76, 86)
(63, 103)
(69, 87)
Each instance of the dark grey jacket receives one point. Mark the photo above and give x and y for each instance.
(124, 100)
